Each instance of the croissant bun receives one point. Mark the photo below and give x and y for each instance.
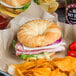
(38, 33)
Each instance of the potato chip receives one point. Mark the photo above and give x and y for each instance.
(57, 73)
(49, 5)
(53, 7)
(67, 64)
(19, 73)
(45, 7)
(42, 71)
(57, 59)
(72, 73)
(27, 65)
(44, 63)
(51, 10)
(46, 1)
(42, 67)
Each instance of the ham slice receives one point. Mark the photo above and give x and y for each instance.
(55, 45)
(20, 49)
(19, 52)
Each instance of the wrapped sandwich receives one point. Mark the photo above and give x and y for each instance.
(14, 10)
(48, 5)
(38, 39)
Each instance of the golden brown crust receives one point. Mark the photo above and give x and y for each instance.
(16, 3)
(38, 33)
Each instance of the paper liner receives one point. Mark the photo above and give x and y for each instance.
(7, 35)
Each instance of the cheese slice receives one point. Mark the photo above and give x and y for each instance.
(4, 11)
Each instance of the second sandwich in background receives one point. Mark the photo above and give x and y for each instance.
(38, 39)
(13, 12)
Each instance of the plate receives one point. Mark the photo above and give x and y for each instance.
(3, 74)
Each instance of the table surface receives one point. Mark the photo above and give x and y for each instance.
(61, 14)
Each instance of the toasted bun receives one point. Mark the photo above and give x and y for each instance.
(38, 33)
(16, 3)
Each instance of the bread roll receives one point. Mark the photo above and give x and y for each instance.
(38, 33)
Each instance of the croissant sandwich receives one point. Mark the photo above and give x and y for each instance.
(38, 39)
(24, 4)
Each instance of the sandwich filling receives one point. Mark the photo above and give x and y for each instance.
(22, 50)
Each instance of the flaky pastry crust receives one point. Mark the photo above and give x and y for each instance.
(38, 33)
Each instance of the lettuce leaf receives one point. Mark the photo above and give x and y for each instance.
(14, 43)
(25, 6)
(23, 56)
(36, 1)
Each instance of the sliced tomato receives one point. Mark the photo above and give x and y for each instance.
(73, 46)
(71, 53)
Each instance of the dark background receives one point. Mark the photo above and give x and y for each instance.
(61, 14)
